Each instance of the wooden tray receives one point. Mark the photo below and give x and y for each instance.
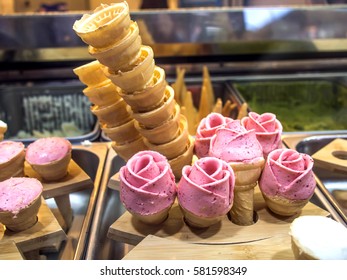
(167, 249)
(75, 180)
(9, 251)
(269, 229)
(45, 233)
(333, 156)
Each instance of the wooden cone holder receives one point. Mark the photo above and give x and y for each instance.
(45, 233)
(9, 251)
(75, 180)
(269, 229)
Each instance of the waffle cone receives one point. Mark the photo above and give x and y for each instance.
(113, 114)
(121, 134)
(149, 98)
(106, 24)
(138, 73)
(103, 94)
(119, 55)
(153, 219)
(55, 170)
(13, 168)
(24, 219)
(90, 73)
(159, 115)
(175, 147)
(164, 132)
(242, 211)
(128, 149)
(199, 222)
(283, 206)
(247, 173)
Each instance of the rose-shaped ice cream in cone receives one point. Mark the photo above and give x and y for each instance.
(90, 73)
(175, 147)
(147, 187)
(103, 94)
(241, 149)
(206, 129)
(149, 98)
(107, 24)
(49, 157)
(164, 132)
(113, 114)
(12, 156)
(205, 191)
(122, 133)
(121, 55)
(287, 181)
(267, 129)
(127, 149)
(138, 73)
(20, 201)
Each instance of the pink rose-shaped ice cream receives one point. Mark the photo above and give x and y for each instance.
(50, 157)
(147, 186)
(242, 151)
(287, 181)
(267, 128)
(20, 200)
(12, 155)
(206, 129)
(205, 191)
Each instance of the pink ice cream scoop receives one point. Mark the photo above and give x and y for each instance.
(9, 150)
(47, 150)
(288, 173)
(147, 184)
(206, 129)
(233, 143)
(267, 128)
(207, 188)
(18, 193)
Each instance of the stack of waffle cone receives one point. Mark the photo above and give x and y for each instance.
(109, 107)
(246, 178)
(131, 67)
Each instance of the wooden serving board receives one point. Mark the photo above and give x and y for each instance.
(167, 249)
(45, 233)
(9, 251)
(114, 182)
(268, 227)
(75, 180)
(333, 156)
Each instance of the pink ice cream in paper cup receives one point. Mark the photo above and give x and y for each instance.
(147, 187)
(268, 130)
(205, 191)
(287, 181)
(206, 129)
(242, 151)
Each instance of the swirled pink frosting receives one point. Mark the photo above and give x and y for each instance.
(233, 143)
(9, 150)
(207, 188)
(267, 129)
(19, 192)
(206, 129)
(288, 173)
(47, 150)
(147, 183)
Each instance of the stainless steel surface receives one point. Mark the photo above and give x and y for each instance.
(92, 160)
(331, 184)
(108, 209)
(188, 32)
